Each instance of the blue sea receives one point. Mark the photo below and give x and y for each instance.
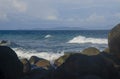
(50, 44)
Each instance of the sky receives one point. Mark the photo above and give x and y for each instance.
(31, 14)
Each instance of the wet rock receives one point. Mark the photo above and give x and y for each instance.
(78, 65)
(10, 65)
(90, 51)
(26, 65)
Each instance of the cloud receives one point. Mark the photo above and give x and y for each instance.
(94, 18)
(19, 5)
(11, 7)
(3, 17)
(66, 12)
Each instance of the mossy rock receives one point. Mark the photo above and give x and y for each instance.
(90, 51)
(106, 50)
(61, 60)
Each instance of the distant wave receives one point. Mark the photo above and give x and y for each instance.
(48, 36)
(83, 39)
(23, 53)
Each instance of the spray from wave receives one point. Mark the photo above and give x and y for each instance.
(83, 39)
(23, 53)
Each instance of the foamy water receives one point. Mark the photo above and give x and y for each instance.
(22, 53)
(83, 39)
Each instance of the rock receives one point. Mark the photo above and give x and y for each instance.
(26, 65)
(34, 59)
(38, 73)
(111, 58)
(114, 41)
(4, 43)
(106, 50)
(61, 60)
(44, 64)
(78, 65)
(90, 51)
(90, 77)
(10, 65)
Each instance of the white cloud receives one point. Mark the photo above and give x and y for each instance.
(94, 18)
(19, 5)
(11, 7)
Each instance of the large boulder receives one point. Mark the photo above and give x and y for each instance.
(114, 41)
(10, 65)
(90, 51)
(90, 77)
(26, 65)
(78, 65)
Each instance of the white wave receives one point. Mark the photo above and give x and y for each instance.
(22, 53)
(48, 36)
(83, 39)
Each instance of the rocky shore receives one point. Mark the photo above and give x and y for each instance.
(91, 63)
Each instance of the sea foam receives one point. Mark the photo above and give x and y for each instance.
(23, 53)
(82, 39)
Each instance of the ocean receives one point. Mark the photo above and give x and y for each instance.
(51, 44)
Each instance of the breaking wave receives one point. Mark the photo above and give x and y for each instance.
(83, 39)
(48, 36)
(23, 53)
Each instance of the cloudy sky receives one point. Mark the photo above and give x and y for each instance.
(28, 14)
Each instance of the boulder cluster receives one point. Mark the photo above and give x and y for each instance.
(91, 63)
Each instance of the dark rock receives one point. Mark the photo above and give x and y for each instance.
(111, 58)
(34, 59)
(114, 41)
(38, 73)
(61, 60)
(90, 51)
(90, 77)
(26, 65)
(10, 65)
(78, 65)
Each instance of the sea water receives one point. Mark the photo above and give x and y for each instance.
(51, 44)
